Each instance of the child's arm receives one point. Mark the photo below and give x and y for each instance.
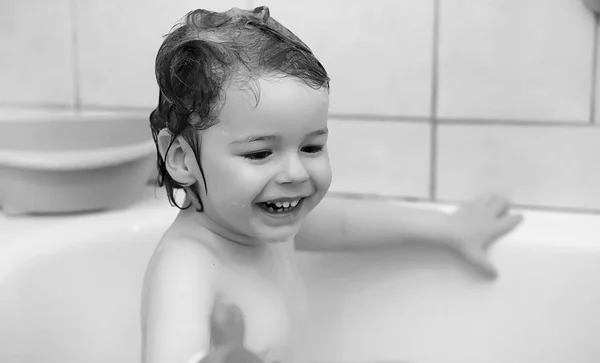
(343, 224)
(180, 299)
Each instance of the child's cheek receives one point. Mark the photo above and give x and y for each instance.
(323, 174)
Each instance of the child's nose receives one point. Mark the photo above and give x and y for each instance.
(292, 171)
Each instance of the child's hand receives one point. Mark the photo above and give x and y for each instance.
(227, 337)
(478, 223)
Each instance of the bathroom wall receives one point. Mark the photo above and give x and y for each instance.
(430, 99)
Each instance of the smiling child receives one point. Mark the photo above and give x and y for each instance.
(241, 129)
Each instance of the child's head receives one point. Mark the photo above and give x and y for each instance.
(226, 76)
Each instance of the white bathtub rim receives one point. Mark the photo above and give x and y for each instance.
(571, 233)
(30, 245)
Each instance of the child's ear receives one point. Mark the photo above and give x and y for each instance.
(177, 155)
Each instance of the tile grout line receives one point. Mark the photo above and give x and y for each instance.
(342, 117)
(74, 57)
(414, 199)
(373, 117)
(36, 106)
(434, 103)
(594, 69)
(524, 123)
(456, 121)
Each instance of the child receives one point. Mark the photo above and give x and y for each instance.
(241, 127)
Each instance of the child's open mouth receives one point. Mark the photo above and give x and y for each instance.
(281, 208)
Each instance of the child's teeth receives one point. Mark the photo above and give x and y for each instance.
(282, 207)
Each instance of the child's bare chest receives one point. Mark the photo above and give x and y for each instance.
(270, 297)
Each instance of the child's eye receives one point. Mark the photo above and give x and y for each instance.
(313, 149)
(258, 156)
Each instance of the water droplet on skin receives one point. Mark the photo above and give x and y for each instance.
(224, 132)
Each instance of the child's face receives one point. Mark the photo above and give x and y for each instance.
(289, 161)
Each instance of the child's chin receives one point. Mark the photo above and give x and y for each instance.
(283, 235)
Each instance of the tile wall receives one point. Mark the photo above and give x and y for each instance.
(430, 99)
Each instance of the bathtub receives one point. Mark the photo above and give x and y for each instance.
(70, 289)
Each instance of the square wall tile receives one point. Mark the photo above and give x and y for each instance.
(544, 166)
(517, 60)
(118, 42)
(383, 158)
(378, 53)
(36, 58)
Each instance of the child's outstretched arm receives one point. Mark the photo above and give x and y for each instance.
(343, 224)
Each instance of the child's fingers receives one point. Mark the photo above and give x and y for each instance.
(227, 325)
(227, 337)
(507, 224)
(477, 257)
(499, 205)
(241, 355)
(215, 356)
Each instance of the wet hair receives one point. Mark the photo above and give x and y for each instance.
(206, 53)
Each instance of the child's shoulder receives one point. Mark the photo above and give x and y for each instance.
(181, 255)
(186, 255)
(177, 264)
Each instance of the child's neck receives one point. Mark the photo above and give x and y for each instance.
(200, 222)
(202, 226)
